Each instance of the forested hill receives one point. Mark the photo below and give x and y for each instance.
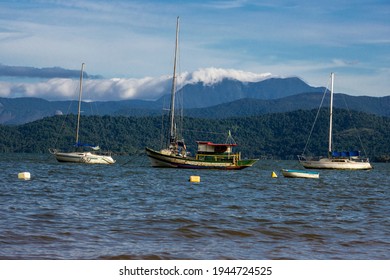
(278, 135)
(23, 110)
(305, 101)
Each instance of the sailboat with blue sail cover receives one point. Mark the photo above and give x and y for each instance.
(80, 155)
(350, 160)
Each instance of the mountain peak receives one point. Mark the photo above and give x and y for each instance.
(227, 89)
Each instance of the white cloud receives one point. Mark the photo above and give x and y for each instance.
(119, 89)
(147, 88)
(5, 89)
(209, 76)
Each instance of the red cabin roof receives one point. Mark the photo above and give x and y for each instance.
(215, 145)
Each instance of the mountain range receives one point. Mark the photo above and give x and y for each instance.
(228, 98)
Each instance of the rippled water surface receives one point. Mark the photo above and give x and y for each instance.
(132, 211)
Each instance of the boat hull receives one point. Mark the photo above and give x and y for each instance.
(159, 159)
(300, 174)
(342, 164)
(83, 157)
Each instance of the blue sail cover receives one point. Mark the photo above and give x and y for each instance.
(336, 154)
(345, 154)
(354, 154)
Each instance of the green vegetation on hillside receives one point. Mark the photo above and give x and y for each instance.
(281, 135)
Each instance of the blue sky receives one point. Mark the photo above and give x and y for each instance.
(131, 43)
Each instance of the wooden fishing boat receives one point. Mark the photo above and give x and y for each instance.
(208, 156)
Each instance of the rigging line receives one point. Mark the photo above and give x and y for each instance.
(162, 131)
(354, 126)
(315, 120)
(76, 89)
(59, 131)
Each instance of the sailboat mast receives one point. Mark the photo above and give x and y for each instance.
(173, 90)
(331, 114)
(79, 107)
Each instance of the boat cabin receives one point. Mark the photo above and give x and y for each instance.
(206, 147)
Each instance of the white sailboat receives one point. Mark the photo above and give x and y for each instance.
(209, 155)
(335, 160)
(87, 157)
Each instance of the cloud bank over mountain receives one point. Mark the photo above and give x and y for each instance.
(209, 76)
(59, 86)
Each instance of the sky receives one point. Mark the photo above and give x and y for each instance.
(128, 46)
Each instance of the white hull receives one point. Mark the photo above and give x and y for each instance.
(336, 163)
(83, 157)
(300, 174)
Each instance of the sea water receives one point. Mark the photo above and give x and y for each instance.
(130, 210)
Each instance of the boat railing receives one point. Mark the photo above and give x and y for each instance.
(230, 157)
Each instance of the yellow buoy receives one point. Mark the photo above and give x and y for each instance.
(24, 175)
(274, 175)
(195, 179)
